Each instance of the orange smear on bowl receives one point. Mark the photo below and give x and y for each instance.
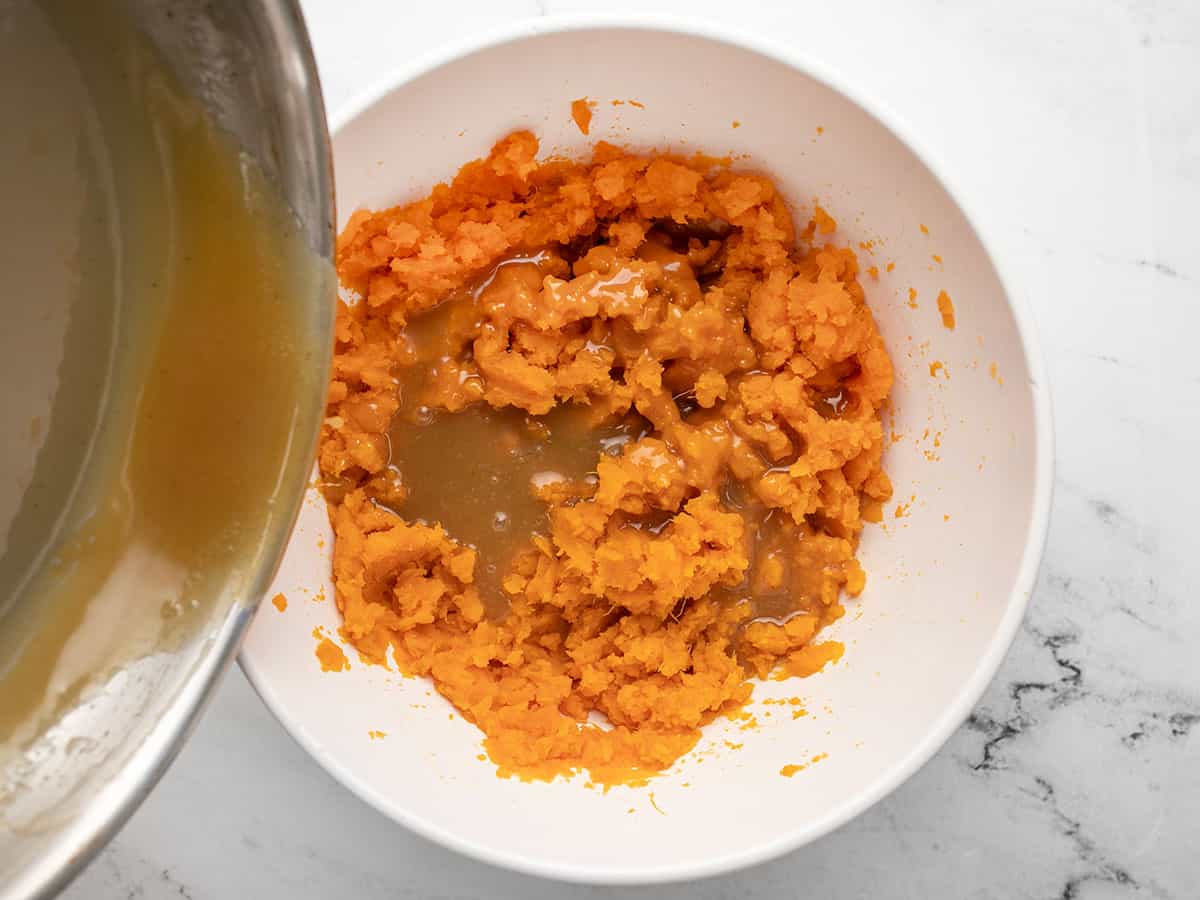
(826, 224)
(789, 770)
(330, 655)
(581, 112)
(946, 308)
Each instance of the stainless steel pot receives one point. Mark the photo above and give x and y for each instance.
(251, 68)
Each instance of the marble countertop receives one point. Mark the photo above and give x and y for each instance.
(1074, 126)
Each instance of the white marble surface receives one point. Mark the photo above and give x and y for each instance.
(1074, 126)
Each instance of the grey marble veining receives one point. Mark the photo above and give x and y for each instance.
(1074, 127)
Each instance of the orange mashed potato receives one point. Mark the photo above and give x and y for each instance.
(729, 377)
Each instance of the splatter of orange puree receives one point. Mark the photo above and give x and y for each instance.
(280, 602)
(330, 655)
(598, 442)
(581, 112)
(946, 308)
(792, 768)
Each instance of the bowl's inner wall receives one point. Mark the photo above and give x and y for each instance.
(940, 578)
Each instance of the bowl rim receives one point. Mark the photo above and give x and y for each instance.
(988, 663)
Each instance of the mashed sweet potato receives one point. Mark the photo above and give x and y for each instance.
(600, 443)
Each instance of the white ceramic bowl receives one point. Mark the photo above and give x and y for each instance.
(948, 582)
